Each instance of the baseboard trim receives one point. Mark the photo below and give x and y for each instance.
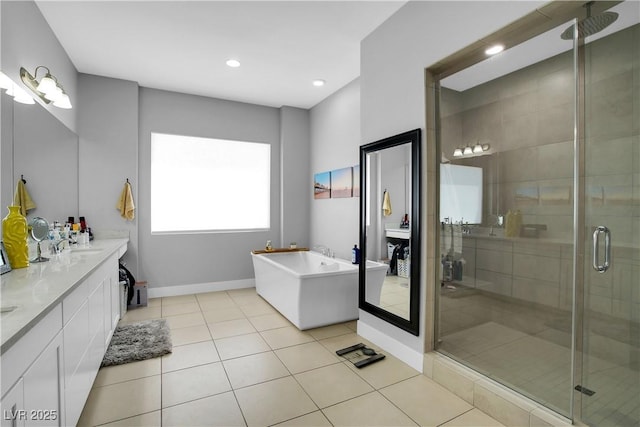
(198, 288)
(396, 348)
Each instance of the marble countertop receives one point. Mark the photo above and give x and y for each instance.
(37, 289)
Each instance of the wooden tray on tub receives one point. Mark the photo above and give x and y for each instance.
(265, 251)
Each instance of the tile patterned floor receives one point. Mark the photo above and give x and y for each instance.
(394, 295)
(237, 362)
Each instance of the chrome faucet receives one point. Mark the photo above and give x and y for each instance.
(324, 251)
(57, 246)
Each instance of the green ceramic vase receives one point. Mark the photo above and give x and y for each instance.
(14, 236)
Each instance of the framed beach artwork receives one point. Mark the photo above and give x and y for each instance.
(356, 181)
(527, 196)
(322, 185)
(341, 183)
(555, 195)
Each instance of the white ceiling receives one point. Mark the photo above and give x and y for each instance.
(536, 49)
(182, 46)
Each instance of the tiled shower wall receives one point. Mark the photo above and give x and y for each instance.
(527, 118)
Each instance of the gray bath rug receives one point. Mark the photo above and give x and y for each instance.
(138, 341)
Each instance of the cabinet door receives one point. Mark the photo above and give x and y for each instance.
(13, 413)
(115, 299)
(96, 314)
(114, 278)
(107, 301)
(44, 387)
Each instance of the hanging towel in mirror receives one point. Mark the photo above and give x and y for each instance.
(125, 203)
(22, 198)
(386, 204)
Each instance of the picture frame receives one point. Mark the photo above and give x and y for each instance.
(322, 185)
(5, 265)
(341, 183)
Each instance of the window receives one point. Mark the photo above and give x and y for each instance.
(205, 184)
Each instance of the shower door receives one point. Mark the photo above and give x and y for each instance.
(507, 309)
(550, 306)
(611, 333)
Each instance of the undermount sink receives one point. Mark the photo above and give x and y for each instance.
(398, 233)
(7, 309)
(85, 251)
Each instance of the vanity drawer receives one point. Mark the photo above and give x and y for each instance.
(25, 351)
(74, 301)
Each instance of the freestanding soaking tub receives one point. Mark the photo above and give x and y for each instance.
(308, 288)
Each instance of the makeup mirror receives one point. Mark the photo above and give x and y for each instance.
(390, 229)
(39, 232)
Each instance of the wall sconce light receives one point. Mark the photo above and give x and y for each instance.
(468, 150)
(12, 89)
(48, 88)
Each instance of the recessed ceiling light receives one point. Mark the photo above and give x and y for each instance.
(318, 82)
(233, 63)
(494, 49)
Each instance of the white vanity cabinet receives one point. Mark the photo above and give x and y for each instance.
(44, 387)
(33, 369)
(13, 405)
(87, 332)
(49, 367)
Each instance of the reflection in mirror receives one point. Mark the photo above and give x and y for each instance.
(389, 229)
(45, 152)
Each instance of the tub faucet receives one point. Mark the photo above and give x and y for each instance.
(324, 251)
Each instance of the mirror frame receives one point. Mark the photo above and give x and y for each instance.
(412, 325)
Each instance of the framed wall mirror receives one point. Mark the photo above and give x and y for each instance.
(390, 230)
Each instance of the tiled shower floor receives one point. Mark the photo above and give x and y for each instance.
(521, 348)
(237, 362)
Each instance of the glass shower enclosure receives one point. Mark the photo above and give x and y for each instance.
(542, 292)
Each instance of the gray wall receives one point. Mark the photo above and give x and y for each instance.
(295, 187)
(108, 129)
(6, 154)
(177, 259)
(335, 141)
(27, 41)
(392, 63)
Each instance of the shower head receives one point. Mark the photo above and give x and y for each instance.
(591, 24)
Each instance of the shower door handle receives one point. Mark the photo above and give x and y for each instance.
(601, 268)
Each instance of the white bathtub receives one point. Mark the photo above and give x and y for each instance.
(307, 288)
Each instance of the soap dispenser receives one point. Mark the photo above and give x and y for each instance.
(355, 255)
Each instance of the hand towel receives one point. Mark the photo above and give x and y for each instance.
(386, 204)
(457, 239)
(125, 203)
(451, 239)
(22, 198)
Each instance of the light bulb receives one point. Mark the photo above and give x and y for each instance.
(63, 102)
(21, 96)
(467, 150)
(5, 81)
(477, 148)
(494, 49)
(54, 94)
(457, 152)
(47, 84)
